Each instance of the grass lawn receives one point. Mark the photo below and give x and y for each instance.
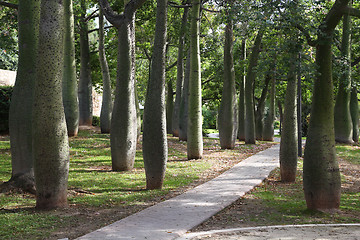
(97, 196)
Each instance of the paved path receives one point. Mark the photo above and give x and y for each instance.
(173, 218)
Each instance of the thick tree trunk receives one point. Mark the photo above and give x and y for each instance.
(342, 118)
(288, 144)
(322, 183)
(69, 84)
(194, 132)
(85, 84)
(50, 140)
(20, 119)
(155, 141)
(249, 91)
(169, 108)
(179, 75)
(354, 109)
(184, 103)
(106, 105)
(241, 128)
(123, 136)
(268, 132)
(228, 114)
(259, 118)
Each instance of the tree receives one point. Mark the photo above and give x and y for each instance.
(20, 119)
(241, 127)
(321, 170)
(228, 114)
(169, 108)
(183, 116)
(354, 109)
(288, 144)
(249, 92)
(342, 118)
(85, 84)
(268, 132)
(194, 131)
(259, 118)
(179, 73)
(154, 136)
(123, 136)
(69, 85)
(106, 105)
(50, 140)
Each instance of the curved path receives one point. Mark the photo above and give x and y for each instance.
(173, 218)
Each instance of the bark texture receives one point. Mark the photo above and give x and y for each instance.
(288, 144)
(194, 132)
(50, 140)
(154, 138)
(184, 103)
(321, 170)
(169, 108)
(354, 109)
(123, 136)
(342, 118)
(179, 74)
(259, 118)
(20, 119)
(69, 84)
(268, 132)
(241, 127)
(228, 114)
(249, 91)
(106, 105)
(85, 83)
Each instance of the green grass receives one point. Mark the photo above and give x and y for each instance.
(348, 152)
(93, 185)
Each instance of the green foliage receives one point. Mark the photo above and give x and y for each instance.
(96, 121)
(5, 96)
(209, 117)
(8, 38)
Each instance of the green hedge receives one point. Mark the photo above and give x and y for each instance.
(5, 95)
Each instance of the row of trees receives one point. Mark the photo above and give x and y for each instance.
(279, 30)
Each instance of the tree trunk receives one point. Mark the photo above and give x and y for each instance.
(268, 132)
(184, 102)
(50, 140)
(249, 91)
(194, 131)
(106, 105)
(169, 108)
(20, 116)
(342, 118)
(85, 84)
(123, 134)
(69, 84)
(155, 141)
(228, 114)
(281, 115)
(179, 74)
(259, 118)
(241, 128)
(288, 144)
(322, 183)
(354, 109)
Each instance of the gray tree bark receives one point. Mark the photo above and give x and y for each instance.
(184, 102)
(20, 119)
(250, 137)
(259, 118)
(268, 132)
(194, 132)
(154, 137)
(179, 74)
(354, 109)
(241, 128)
(123, 136)
(228, 114)
(50, 140)
(85, 83)
(169, 108)
(69, 84)
(106, 105)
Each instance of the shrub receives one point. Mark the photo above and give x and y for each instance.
(96, 121)
(5, 95)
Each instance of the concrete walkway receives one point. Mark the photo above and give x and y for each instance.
(173, 218)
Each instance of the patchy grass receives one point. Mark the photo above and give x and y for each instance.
(97, 196)
(277, 203)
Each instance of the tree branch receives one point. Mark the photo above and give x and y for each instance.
(171, 66)
(309, 40)
(96, 29)
(209, 10)
(132, 6)
(352, 11)
(111, 16)
(175, 5)
(9, 5)
(92, 15)
(355, 62)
